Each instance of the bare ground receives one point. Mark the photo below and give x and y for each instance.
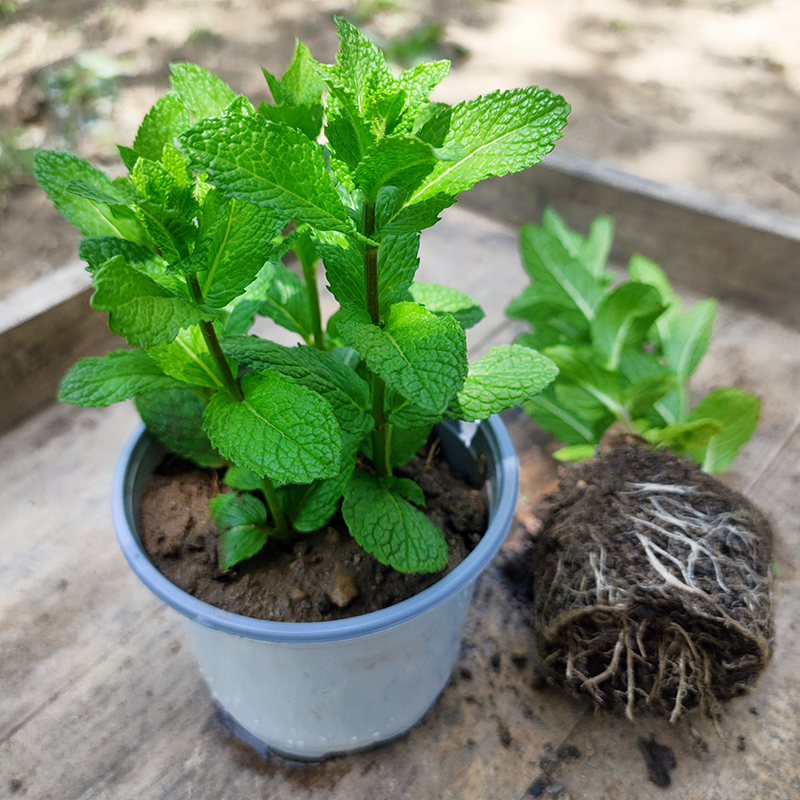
(699, 92)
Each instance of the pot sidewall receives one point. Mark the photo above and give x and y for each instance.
(310, 690)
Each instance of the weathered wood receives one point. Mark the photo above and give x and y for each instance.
(720, 247)
(44, 329)
(100, 696)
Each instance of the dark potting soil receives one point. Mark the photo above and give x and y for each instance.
(652, 584)
(320, 576)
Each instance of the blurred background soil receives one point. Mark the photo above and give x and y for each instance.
(704, 93)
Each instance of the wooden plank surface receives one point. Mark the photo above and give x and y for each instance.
(100, 696)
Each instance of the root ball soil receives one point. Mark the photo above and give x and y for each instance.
(652, 584)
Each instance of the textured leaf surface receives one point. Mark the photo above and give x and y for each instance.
(385, 524)
(393, 217)
(162, 125)
(624, 319)
(119, 375)
(441, 300)
(688, 337)
(55, 172)
(140, 309)
(506, 376)
(203, 93)
(400, 161)
(317, 503)
(236, 241)
(557, 277)
(502, 132)
(398, 261)
(738, 412)
(346, 392)
(187, 359)
(175, 418)
(419, 355)
(241, 519)
(268, 164)
(280, 429)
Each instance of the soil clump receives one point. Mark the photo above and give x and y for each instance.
(652, 584)
(319, 576)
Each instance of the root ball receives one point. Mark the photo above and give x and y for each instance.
(652, 585)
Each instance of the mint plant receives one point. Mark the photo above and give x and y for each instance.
(625, 351)
(346, 166)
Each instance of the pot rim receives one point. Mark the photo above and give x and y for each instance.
(502, 507)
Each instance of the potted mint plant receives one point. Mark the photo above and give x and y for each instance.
(651, 578)
(347, 166)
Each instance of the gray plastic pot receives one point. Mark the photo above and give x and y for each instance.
(314, 689)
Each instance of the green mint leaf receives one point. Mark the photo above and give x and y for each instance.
(418, 82)
(687, 337)
(383, 522)
(393, 217)
(582, 367)
(643, 270)
(284, 299)
(96, 250)
(141, 310)
(235, 240)
(594, 251)
(57, 172)
(399, 160)
(569, 422)
(501, 132)
(575, 452)
(187, 359)
(506, 376)
(557, 277)
(360, 67)
(317, 503)
(242, 479)
(119, 375)
(402, 413)
(165, 121)
(347, 393)
(229, 510)
(175, 418)
(344, 267)
(403, 443)
(623, 320)
(280, 429)
(640, 397)
(684, 437)
(204, 94)
(738, 412)
(268, 164)
(442, 300)
(240, 543)
(420, 355)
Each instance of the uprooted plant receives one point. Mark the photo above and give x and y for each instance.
(187, 249)
(652, 580)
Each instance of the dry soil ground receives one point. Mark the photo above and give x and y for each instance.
(700, 92)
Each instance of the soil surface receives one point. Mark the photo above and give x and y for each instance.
(697, 92)
(652, 584)
(320, 576)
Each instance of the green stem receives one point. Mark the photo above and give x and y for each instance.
(379, 448)
(214, 347)
(310, 277)
(284, 530)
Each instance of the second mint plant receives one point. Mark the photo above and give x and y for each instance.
(346, 166)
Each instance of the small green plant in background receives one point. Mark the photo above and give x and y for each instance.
(625, 351)
(188, 248)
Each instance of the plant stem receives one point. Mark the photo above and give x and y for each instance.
(310, 277)
(282, 526)
(214, 347)
(379, 449)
